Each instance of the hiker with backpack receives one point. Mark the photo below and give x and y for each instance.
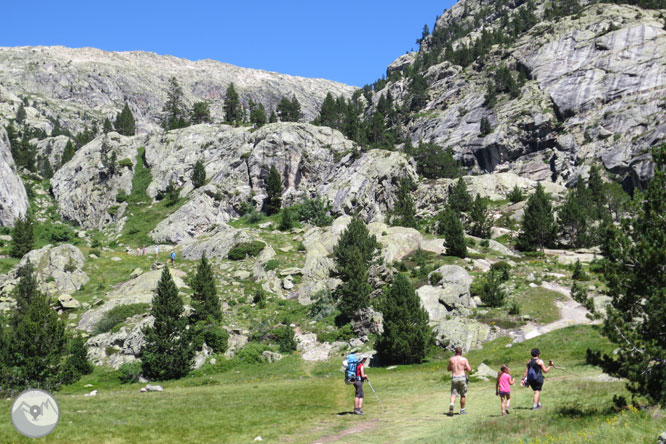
(355, 374)
(533, 376)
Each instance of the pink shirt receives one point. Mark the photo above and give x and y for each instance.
(505, 383)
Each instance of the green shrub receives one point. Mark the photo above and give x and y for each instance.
(113, 210)
(54, 233)
(130, 372)
(343, 334)
(214, 336)
(287, 219)
(260, 298)
(284, 336)
(121, 196)
(126, 163)
(515, 195)
(251, 353)
(117, 315)
(315, 211)
(435, 277)
(245, 249)
(492, 293)
(323, 307)
(514, 307)
(271, 264)
(502, 268)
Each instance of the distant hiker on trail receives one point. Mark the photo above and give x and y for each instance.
(127, 249)
(458, 366)
(503, 388)
(157, 251)
(138, 251)
(173, 258)
(533, 376)
(358, 386)
(143, 251)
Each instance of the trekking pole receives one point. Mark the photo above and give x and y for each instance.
(373, 391)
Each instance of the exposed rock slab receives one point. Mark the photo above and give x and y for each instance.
(13, 199)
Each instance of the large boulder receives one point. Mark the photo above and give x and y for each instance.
(462, 332)
(116, 348)
(13, 198)
(216, 245)
(86, 187)
(58, 270)
(367, 322)
(135, 291)
(396, 242)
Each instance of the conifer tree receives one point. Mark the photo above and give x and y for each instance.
(353, 254)
(68, 153)
(403, 213)
(635, 254)
(538, 225)
(108, 126)
(200, 113)
(273, 191)
(434, 162)
(485, 127)
(77, 362)
(198, 174)
(22, 237)
(459, 198)
(479, 218)
(257, 114)
(26, 288)
(273, 118)
(572, 221)
(598, 192)
(20, 114)
(232, 105)
(515, 195)
(174, 114)
(36, 345)
(406, 335)
(450, 225)
(125, 123)
(204, 298)
(167, 353)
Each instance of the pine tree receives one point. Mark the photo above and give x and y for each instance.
(68, 153)
(635, 255)
(20, 114)
(289, 110)
(22, 237)
(125, 123)
(597, 190)
(538, 225)
(353, 254)
(479, 218)
(434, 162)
(515, 195)
(406, 335)
(232, 105)
(204, 298)
(198, 174)
(485, 127)
(167, 353)
(273, 191)
(174, 113)
(258, 115)
(403, 212)
(25, 290)
(107, 127)
(273, 118)
(77, 362)
(572, 221)
(450, 225)
(36, 345)
(200, 113)
(459, 199)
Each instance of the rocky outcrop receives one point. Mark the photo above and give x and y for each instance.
(86, 187)
(51, 148)
(367, 322)
(596, 83)
(367, 186)
(13, 199)
(58, 270)
(120, 347)
(70, 83)
(138, 290)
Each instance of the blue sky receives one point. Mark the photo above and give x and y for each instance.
(347, 41)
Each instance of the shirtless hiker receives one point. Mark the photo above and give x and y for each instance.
(458, 366)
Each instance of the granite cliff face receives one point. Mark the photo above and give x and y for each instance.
(13, 199)
(81, 85)
(595, 92)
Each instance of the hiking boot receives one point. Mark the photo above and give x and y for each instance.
(507, 411)
(463, 412)
(358, 412)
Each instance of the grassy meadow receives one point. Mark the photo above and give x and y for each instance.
(293, 401)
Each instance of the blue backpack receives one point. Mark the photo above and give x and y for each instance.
(350, 373)
(533, 373)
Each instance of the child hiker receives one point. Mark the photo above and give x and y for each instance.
(503, 388)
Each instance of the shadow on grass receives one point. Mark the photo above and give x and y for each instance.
(576, 411)
(344, 413)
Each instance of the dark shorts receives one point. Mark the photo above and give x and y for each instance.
(536, 385)
(504, 394)
(358, 385)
